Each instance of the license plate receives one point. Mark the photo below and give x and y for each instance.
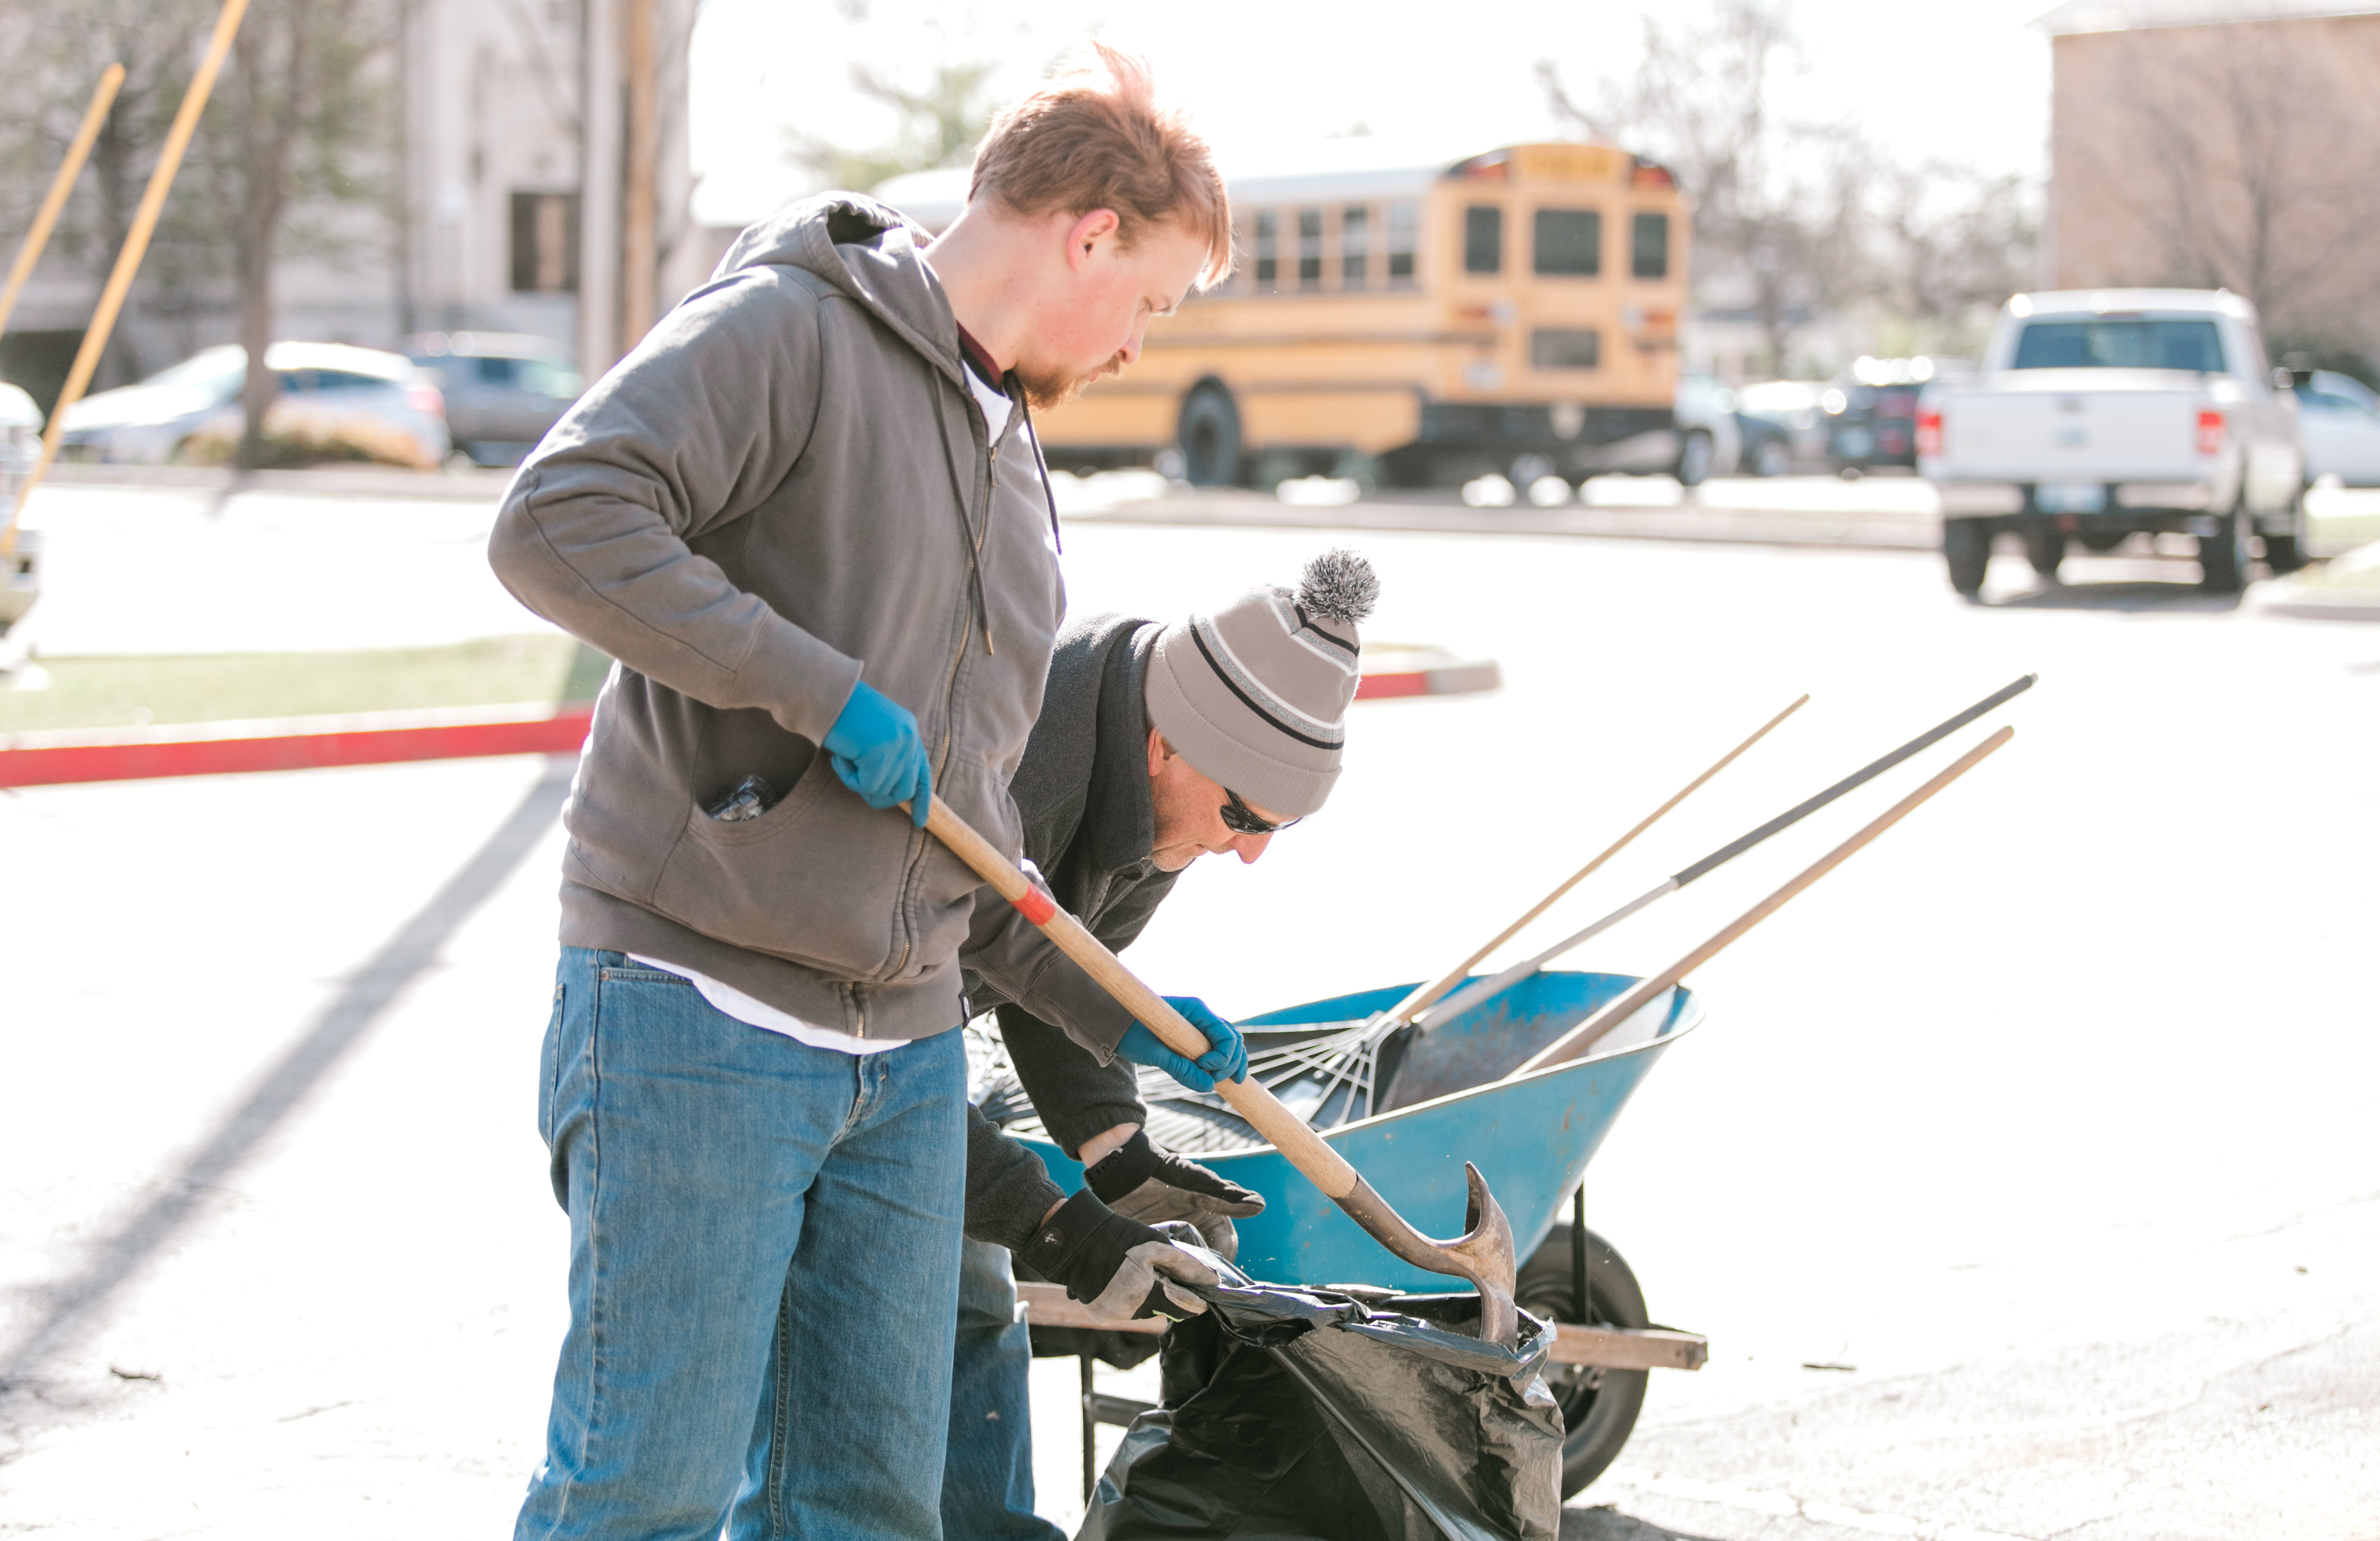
(2070, 497)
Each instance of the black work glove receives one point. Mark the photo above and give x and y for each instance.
(1118, 1268)
(1140, 1181)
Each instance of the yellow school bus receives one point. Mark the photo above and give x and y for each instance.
(1512, 311)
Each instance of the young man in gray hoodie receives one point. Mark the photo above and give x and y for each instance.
(807, 516)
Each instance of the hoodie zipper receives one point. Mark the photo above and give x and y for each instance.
(958, 656)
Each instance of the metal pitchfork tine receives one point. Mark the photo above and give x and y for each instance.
(1485, 1254)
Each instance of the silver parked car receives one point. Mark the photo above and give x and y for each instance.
(2338, 422)
(502, 389)
(356, 401)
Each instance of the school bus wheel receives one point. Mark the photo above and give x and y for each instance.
(1210, 436)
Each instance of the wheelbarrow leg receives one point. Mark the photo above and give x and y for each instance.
(1578, 1295)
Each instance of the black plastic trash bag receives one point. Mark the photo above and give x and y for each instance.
(1297, 1414)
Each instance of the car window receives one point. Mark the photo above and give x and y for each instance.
(2324, 401)
(551, 380)
(2121, 345)
(496, 372)
(347, 379)
(215, 370)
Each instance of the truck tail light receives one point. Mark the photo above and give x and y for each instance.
(1929, 432)
(2210, 432)
(426, 399)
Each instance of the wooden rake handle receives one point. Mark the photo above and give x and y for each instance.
(1325, 1167)
(1579, 1039)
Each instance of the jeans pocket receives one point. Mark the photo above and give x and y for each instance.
(549, 1068)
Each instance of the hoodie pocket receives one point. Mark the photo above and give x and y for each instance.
(816, 880)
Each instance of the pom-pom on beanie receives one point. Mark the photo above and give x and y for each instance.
(1254, 695)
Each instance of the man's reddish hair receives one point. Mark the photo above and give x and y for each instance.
(1094, 137)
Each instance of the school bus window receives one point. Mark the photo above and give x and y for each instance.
(1552, 348)
(1404, 235)
(1649, 246)
(1483, 239)
(1569, 242)
(1309, 248)
(1354, 245)
(1268, 251)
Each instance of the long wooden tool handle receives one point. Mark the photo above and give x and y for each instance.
(1421, 1000)
(1305, 1150)
(46, 220)
(1580, 1038)
(128, 262)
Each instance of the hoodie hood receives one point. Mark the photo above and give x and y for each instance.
(867, 251)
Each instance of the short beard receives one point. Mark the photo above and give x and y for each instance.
(1050, 390)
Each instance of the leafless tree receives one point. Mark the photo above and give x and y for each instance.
(299, 125)
(2244, 156)
(1780, 205)
(45, 80)
(1951, 244)
(939, 123)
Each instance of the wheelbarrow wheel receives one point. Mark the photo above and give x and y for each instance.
(1599, 1406)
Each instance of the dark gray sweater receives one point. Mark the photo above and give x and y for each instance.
(1082, 790)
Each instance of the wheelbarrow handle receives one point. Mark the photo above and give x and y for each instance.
(1296, 1139)
(1485, 1254)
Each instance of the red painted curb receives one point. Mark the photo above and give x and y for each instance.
(148, 756)
(1445, 676)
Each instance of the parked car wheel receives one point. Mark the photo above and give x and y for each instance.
(1210, 434)
(2223, 556)
(2103, 540)
(1967, 551)
(1599, 1406)
(2044, 548)
(1694, 456)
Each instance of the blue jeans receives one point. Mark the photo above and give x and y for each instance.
(988, 1475)
(764, 1245)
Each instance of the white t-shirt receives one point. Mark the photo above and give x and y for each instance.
(757, 1013)
(994, 401)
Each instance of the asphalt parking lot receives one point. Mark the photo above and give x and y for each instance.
(2044, 1125)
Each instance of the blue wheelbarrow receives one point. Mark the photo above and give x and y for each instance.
(1428, 1101)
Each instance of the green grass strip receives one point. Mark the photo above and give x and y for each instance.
(133, 692)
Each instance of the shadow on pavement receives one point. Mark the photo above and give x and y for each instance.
(1604, 1522)
(2181, 597)
(117, 1257)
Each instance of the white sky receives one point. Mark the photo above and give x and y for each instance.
(1960, 79)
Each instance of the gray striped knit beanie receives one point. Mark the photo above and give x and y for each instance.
(1254, 695)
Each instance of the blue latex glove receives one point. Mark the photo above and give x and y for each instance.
(875, 750)
(1225, 1060)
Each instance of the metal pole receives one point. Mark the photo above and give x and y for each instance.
(46, 220)
(128, 262)
(639, 280)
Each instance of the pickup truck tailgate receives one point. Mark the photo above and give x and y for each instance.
(2071, 425)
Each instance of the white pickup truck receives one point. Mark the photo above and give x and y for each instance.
(2101, 413)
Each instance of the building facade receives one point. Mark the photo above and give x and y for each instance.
(538, 183)
(2222, 143)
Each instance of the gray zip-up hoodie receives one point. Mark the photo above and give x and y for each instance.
(785, 488)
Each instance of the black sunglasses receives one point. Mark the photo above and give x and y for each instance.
(1241, 820)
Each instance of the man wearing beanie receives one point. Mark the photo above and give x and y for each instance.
(1156, 744)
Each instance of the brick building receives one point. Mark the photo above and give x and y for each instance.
(2231, 143)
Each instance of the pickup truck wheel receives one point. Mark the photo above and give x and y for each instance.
(1967, 550)
(2285, 550)
(2044, 548)
(2223, 556)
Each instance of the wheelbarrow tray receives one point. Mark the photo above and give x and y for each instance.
(1531, 1137)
